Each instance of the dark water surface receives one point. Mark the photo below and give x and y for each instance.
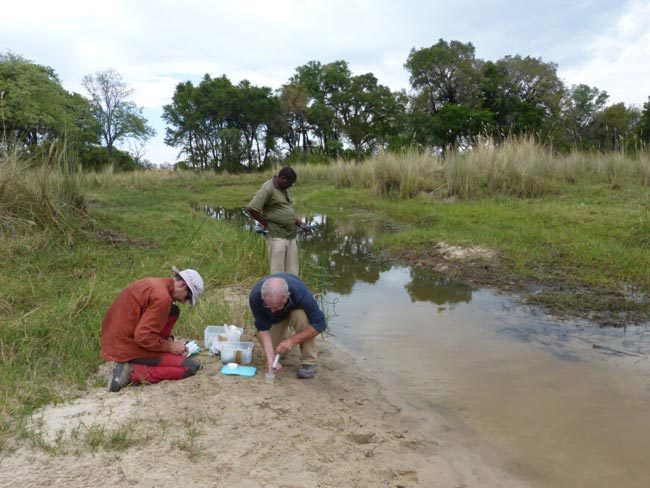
(558, 404)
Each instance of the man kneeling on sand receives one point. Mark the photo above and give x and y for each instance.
(281, 301)
(137, 330)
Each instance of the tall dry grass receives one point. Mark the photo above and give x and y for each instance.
(518, 166)
(573, 167)
(406, 174)
(402, 175)
(43, 193)
(613, 167)
(644, 166)
(107, 177)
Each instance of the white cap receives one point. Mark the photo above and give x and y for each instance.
(193, 280)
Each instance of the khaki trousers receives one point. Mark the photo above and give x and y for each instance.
(283, 255)
(297, 320)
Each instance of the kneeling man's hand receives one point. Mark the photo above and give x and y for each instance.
(178, 348)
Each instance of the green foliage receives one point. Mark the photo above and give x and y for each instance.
(613, 126)
(368, 114)
(581, 106)
(458, 97)
(644, 123)
(338, 109)
(118, 118)
(35, 108)
(524, 95)
(220, 126)
(96, 158)
(455, 126)
(445, 73)
(293, 122)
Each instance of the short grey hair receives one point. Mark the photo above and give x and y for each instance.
(275, 287)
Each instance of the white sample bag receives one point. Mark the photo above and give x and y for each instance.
(231, 333)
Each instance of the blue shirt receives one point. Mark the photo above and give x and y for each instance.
(299, 297)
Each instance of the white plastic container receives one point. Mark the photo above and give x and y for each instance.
(212, 332)
(237, 352)
(215, 335)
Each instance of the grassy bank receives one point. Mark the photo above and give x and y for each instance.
(57, 284)
(576, 232)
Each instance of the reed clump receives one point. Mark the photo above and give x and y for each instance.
(518, 167)
(405, 174)
(644, 166)
(40, 193)
(613, 167)
(573, 167)
(402, 175)
(464, 173)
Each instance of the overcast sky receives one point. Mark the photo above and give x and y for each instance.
(155, 44)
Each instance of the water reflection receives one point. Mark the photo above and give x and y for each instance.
(342, 248)
(236, 216)
(343, 251)
(440, 290)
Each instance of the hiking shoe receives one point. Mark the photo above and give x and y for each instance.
(307, 371)
(121, 377)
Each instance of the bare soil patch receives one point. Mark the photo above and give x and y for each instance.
(340, 429)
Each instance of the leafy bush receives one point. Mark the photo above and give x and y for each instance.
(97, 158)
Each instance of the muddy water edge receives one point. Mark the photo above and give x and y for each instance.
(555, 403)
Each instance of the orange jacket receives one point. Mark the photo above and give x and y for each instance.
(131, 328)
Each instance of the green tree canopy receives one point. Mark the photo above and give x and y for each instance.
(219, 125)
(614, 126)
(117, 116)
(34, 107)
(581, 106)
(446, 72)
(341, 109)
(644, 123)
(523, 93)
(369, 114)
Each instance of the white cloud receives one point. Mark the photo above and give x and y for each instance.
(617, 59)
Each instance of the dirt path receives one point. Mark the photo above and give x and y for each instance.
(341, 429)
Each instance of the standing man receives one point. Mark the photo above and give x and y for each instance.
(281, 301)
(137, 330)
(273, 209)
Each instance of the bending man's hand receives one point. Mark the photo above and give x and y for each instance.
(284, 347)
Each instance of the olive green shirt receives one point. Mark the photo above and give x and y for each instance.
(276, 207)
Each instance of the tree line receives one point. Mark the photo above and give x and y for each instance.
(37, 112)
(324, 111)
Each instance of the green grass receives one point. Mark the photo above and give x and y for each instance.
(588, 231)
(55, 292)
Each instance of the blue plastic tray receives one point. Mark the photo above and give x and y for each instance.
(239, 370)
